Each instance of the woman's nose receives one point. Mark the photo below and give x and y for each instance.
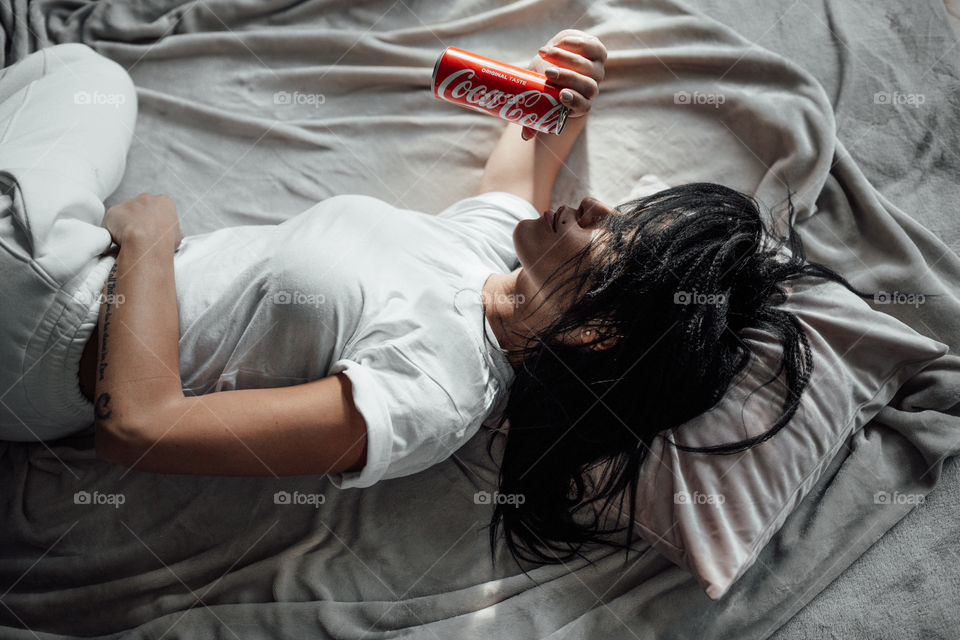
(593, 212)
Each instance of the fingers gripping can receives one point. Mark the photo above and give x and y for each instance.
(499, 89)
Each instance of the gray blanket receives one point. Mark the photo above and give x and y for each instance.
(875, 185)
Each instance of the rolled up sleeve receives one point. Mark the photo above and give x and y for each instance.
(371, 404)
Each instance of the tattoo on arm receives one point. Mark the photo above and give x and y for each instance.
(108, 303)
(102, 406)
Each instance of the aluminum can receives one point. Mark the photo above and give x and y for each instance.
(499, 89)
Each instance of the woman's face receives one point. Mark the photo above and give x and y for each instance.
(543, 244)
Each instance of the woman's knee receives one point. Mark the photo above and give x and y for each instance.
(105, 80)
(66, 52)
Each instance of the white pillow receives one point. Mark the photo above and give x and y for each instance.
(712, 514)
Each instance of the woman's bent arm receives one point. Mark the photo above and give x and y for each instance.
(138, 366)
(142, 418)
(575, 61)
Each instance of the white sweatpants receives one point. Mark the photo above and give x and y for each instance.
(66, 120)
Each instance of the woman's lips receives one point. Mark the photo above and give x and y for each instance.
(549, 216)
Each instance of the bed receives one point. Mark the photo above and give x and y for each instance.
(220, 557)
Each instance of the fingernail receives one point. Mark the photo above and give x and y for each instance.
(525, 134)
(566, 96)
(552, 73)
(574, 40)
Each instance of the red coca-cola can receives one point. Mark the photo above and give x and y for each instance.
(499, 89)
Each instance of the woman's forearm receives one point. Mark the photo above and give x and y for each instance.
(528, 168)
(138, 358)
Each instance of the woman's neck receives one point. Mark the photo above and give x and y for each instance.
(507, 310)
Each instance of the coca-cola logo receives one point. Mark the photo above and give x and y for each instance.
(514, 107)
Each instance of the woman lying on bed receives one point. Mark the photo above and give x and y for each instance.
(618, 322)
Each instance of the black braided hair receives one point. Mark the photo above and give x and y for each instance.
(676, 277)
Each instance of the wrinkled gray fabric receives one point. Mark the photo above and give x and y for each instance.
(216, 557)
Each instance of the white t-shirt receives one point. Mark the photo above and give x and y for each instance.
(389, 296)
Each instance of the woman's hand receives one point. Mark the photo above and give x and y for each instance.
(574, 60)
(151, 216)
